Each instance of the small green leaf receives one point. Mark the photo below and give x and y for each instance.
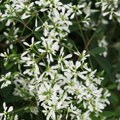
(97, 50)
(114, 98)
(37, 35)
(2, 37)
(106, 66)
(108, 114)
(2, 6)
(7, 91)
(113, 86)
(2, 25)
(74, 27)
(12, 98)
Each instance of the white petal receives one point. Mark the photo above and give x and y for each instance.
(68, 56)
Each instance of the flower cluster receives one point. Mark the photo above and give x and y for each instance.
(44, 68)
(6, 114)
(109, 8)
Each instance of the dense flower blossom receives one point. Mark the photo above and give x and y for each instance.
(46, 72)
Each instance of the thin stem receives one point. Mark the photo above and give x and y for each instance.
(20, 109)
(26, 23)
(81, 32)
(84, 40)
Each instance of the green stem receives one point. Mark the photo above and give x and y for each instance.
(81, 32)
(20, 109)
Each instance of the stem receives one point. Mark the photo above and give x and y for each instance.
(81, 32)
(20, 109)
(84, 40)
(26, 23)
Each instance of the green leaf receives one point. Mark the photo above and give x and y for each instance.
(2, 25)
(97, 50)
(37, 35)
(12, 98)
(106, 66)
(108, 114)
(114, 98)
(94, 117)
(7, 91)
(113, 86)
(74, 27)
(117, 111)
(2, 37)
(2, 6)
(117, 68)
(104, 63)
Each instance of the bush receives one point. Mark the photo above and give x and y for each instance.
(59, 60)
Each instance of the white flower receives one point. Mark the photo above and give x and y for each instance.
(47, 28)
(76, 10)
(32, 43)
(6, 80)
(4, 115)
(109, 6)
(43, 4)
(103, 43)
(82, 56)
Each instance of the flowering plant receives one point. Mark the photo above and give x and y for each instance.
(53, 56)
